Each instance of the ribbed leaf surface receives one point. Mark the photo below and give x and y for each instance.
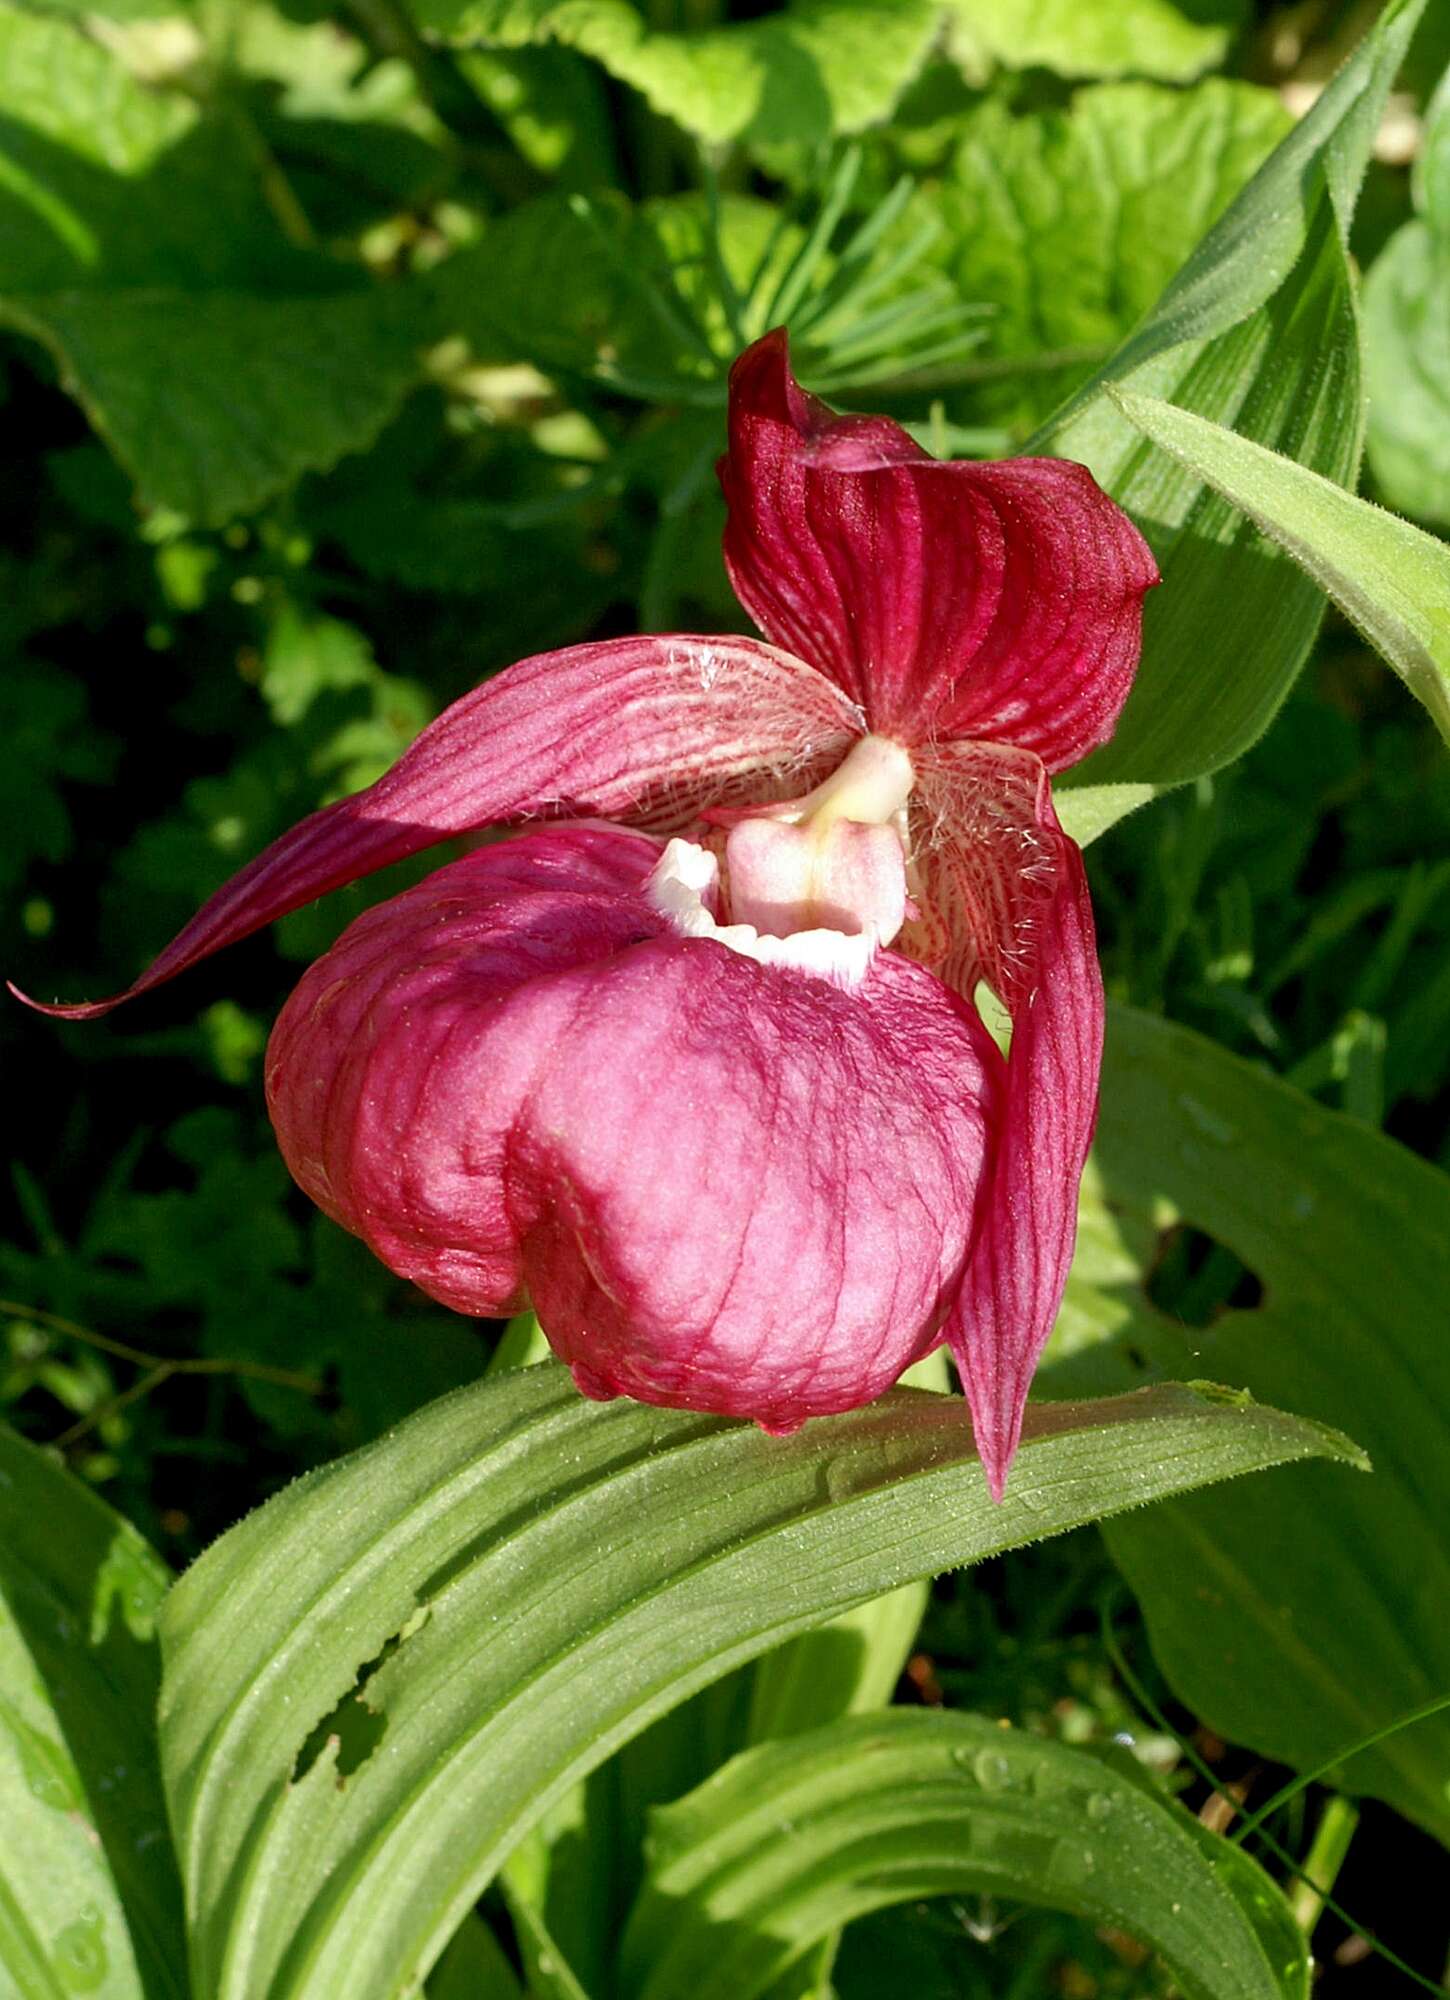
(792, 1840)
(536, 1577)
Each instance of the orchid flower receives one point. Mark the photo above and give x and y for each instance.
(696, 1064)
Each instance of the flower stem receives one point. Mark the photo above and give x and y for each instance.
(156, 1368)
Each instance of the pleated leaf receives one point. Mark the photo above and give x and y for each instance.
(378, 1681)
(790, 1841)
(89, 1899)
(1258, 332)
(1391, 579)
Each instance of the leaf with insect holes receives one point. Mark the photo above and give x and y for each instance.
(1305, 1614)
(524, 1580)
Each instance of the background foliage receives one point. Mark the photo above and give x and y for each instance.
(350, 354)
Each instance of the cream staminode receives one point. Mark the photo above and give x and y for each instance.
(818, 884)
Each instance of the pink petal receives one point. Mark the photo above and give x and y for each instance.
(725, 1186)
(1004, 899)
(649, 729)
(998, 602)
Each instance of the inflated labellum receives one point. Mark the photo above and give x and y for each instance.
(694, 1062)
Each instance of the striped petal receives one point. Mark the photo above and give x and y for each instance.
(1003, 899)
(996, 602)
(650, 730)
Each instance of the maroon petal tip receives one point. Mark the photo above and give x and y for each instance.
(57, 1010)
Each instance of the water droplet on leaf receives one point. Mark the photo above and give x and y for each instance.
(993, 1770)
(79, 1953)
(46, 1767)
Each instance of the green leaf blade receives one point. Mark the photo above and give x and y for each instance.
(1254, 247)
(814, 69)
(1408, 352)
(1072, 222)
(1407, 338)
(552, 1575)
(89, 1900)
(1302, 1616)
(790, 1841)
(1391, 579)
(1257, 331)
(1134, 38)
(218, 351)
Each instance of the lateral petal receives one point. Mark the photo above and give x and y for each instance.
(651, 729)
(725, 1186)
(998, 602)
(1004, 899)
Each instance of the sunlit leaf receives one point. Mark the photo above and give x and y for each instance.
(89, 1900)
(809, 70)
(1130, 38)
(790, 1841)
(1407, 338)
(1258, 332)
(382, 1678)
(1391, 579)
(213, 348)
(1070, 223)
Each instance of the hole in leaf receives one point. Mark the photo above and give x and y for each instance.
(1197, 1279)
(358, 1728)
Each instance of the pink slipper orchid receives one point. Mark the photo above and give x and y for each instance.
(697, 1066)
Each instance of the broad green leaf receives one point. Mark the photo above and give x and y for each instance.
(89, 1899)
(815, 68)
(555, 107)
(1070, 223)
(850, 1666)
(1407, 356)
(1407, 338)
(213, 403)
(160, 262)
(1300, 1616)
(1257, 332)
(380, 1680)
(1431, 178)
(1261, 239)
(1391, 579)
(1116, 1245)
(792, 1840)
(583, 288)
(1153, 38)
